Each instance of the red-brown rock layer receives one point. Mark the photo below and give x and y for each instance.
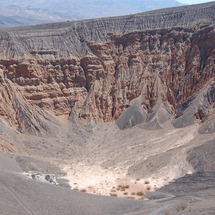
(168, 65)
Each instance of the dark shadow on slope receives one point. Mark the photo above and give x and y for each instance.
(194, 184)
(202, 159)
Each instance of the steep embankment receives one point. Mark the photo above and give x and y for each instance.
(99, 68)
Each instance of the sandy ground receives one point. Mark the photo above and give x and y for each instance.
(99, 166)
(95, 180)
(106, 161)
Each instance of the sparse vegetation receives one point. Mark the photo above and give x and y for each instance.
(181, 207)
(133, 193)
(113, 194)
(140, 193)
(122, 188)
(83, 190)
(125, 193)
(147, 182)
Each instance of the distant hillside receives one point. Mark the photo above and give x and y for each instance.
(26, 12)
(14, 15)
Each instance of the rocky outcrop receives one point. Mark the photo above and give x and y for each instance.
(97, 74)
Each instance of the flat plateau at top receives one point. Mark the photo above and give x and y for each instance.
(116, 107)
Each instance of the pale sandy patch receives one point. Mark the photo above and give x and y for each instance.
(92, 179)
(95, 180)
(129, 188)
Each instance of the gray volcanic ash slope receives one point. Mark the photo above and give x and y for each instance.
(25, 42)
(114, 107)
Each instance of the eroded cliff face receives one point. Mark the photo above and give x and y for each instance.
(166, 66)
(58, 80)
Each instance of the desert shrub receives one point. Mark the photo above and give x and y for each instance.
(125, 193)
(147, 182)
(113, 194)
(140, 193)
(181, 207)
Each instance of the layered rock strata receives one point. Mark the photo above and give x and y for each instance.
(97, 72)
